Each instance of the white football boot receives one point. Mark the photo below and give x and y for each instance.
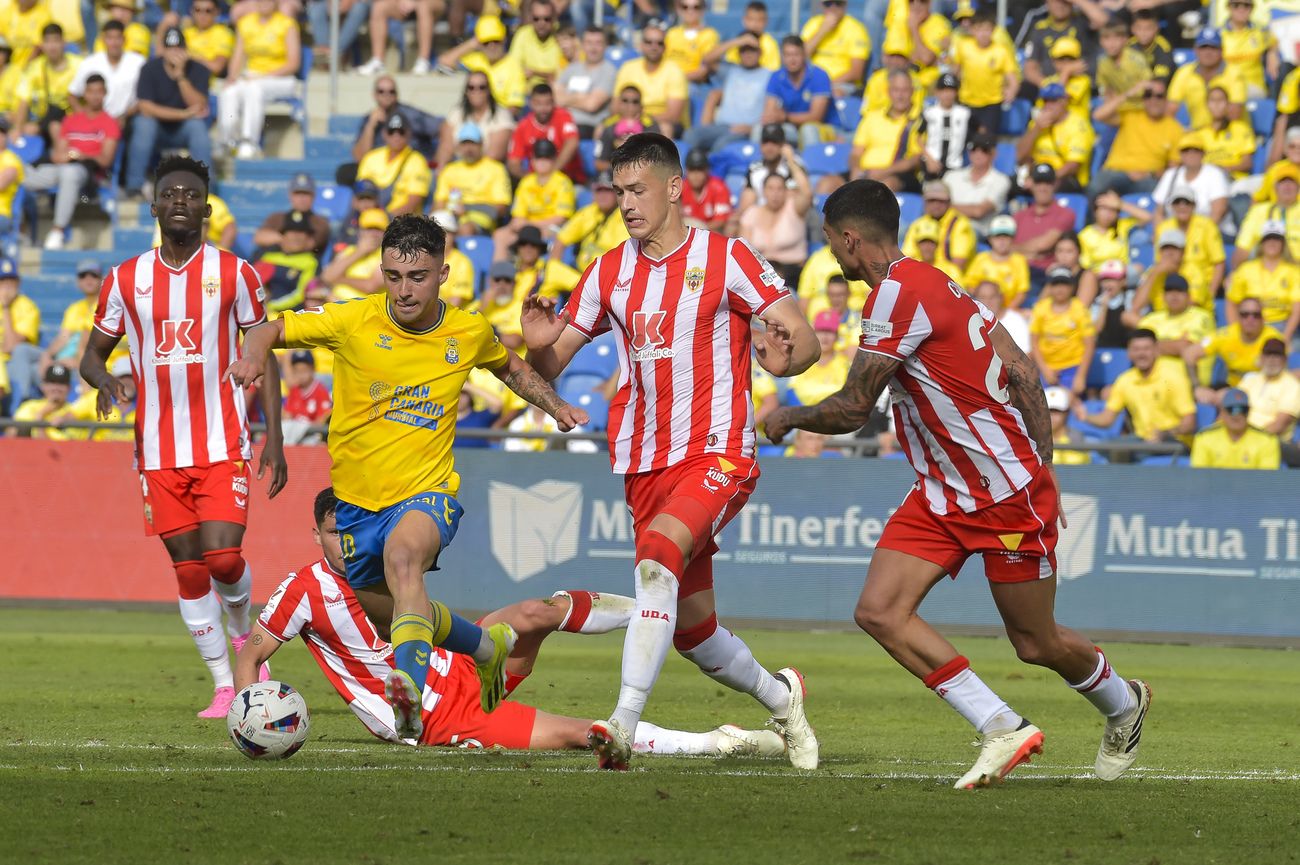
(800, 741)
(1119, 744)
(732, 741)
(1000, 754)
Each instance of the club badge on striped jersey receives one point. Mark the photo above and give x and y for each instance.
(695, 279)
(210, 285)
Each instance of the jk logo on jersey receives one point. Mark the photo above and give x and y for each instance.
(176, 343)
(647, 336)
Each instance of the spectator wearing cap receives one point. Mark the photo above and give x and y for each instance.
(1109, 307)
(498, 304)
(1154, 47)
(1146, 143)
(365, 195)
(1192, 81)
(705, 201)
(536, 272)
(546, 122)
(778, 227)
(991, 295)
(534, 45)
(1171, 258)
(1207, 184)
(799, 95)
(1000, 264)
(1203, 254)
(544, 199)
(923, 35)
(478, 106)
(664, 88)
(728, 113)
(1072, 74)
(689, 41)
(475, 188)
(1058, 137)
(956, 236)
(876, 94)
(486, 53)
(627, 119)
(753, 28)
(171, 108)
(1042, 222)
(1274, 394)
(838, 43)
(771, 160)
(887, 145)
(1273, 278)
(78, 320)
(1055, 20)
(924, 236)
(424, 128)
(119, 68)
(947, 126)
(1285, 209)
(307, 401)
(354, 271)
(210, 40)
(1283, 156)
(1062, 334)
(1058, 407)
(963, 20)
(1233, 443)
(1229, 144)
(988, 71)
(827, 375)
(1107, 236)
(86, 406)
(596, 228)
(400, 174)
(1237, 345)
(586, 88)
(51, 407)
(1180, 325)
(1249, 49)
(979, 191)
(263, 68)
(137, 35)
(384, 11)
(286, 268)
(82, 148)
(1155, 391)
(302, 198)
(1122, 72)
(20, 334)
(43, 92)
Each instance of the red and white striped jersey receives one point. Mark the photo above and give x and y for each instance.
(318, 605)
(182, 326)
(951, 411)
(683, 345)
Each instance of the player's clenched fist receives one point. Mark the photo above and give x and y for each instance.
(541, 326)
(567, 417)
(247, 371)
(777, 424)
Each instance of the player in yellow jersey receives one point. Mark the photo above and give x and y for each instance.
(401, 358)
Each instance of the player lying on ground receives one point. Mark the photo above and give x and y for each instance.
(681, 428)
(972, 417)
(181, 308)
(317, 604)
(401, 358)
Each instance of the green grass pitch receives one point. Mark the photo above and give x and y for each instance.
(102, 760)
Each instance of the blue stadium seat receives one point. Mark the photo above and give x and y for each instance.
(727, 22)
(1106, 366)
(592, 402)
(132, 238)
(574, 383)
(1143, 254)
(736, 184)
(28, 148)
(298, 102)
(598, 357)
(826, 158)
(1262, 114)
(734, 157)
(1005, 158)
(1183, 56)
(910, 207)
(620, 54)
(1183, 116)
(280, 170)
(682, 149)
(61, 262)
(1097, 433)
(1141, 199)
(1221, 312)
(587, 150)
(1101, 149)
(333, 201)
(345, 124)
(1260, 163)
(334, 147)
(1205, 415)
(479, 251)
(1079, 204)
(582, 197)
(849, 110)
(1015, 117)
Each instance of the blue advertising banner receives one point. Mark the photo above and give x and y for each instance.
(1155, 549)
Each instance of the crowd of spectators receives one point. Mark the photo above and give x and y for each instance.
(1118, 181)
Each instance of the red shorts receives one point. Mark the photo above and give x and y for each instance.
(705, 493)
(1017, 536)
(177, 500)
(459, 719)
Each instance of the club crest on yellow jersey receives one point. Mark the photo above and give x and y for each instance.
(452, 354)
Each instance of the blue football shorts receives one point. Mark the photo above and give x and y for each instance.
(363, 533)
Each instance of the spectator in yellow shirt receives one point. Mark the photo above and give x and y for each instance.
(923, 37)
(1000, 264)
(486, 53)
(354, 271)
(876, 95)
(839, 44)
(474, 188)
(1203, 256)
(12, 173)
(1271, 277)
(1274, 393)
(137, 35)
(1170, 259)
(209, 41)
(887, 145)
(1180, 325)
(988, 73)
(1058, 405)
(1062, 334)
(956, 236)
(1072, 74)
(399, 173)
(461, 287)
(827, 375)
(925, 239)
(45, 84)
(753, 21)
(1233, 443)
(1106, 237)
(263, 68)
(1060, 138)
(78, 320)
(1229, 144)
(1283, 157)
(20, 334)
(689, 41)
(1155, 392)
(535, 46)
(596, 228)
(544, 199)
(663, 85)
(1146, 144)
(1249, 49)
(1237, 345)
(1191, 83)
(22, 23)
(1285, 209)
(52, 407)
(814, 282)
(1122, 71)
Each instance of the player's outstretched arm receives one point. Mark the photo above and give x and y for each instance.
(259, 647)
(94, 369)
(521, 378)
(258, 342)
(788, 346)
(844, 411)
(551, 342)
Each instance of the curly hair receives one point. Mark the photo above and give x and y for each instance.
(326, 503)
(411, 234)
(186, 165)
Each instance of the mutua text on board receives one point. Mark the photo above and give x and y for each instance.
(1132, 535)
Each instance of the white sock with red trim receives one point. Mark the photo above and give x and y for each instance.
(203, 617)
(650, 739)
(958, 686)
(1106, 689)
(234, 599)
(724, 657)
(649, 636)
(595, 612)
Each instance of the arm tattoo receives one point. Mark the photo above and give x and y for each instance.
(1028, 397)
(256, 640)
(847, 410)
(532, 387)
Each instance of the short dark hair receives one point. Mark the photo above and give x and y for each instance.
(174, 164)
(96, 78)
(112, 25)
(648, 148)
(412, 233)
(984, 16)
(756, 6)
(1143, 333)
(792, 39)
(837, 277)
(868, 204)
(1116, 25)
(592, 28)
(326, 503)
(542, 89)
(1145, 15)
(52, 30)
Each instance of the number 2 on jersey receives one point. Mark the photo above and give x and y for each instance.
(994, 373)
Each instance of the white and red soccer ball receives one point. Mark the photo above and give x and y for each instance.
(268, 721)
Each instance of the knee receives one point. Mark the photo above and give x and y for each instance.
(1036, 649)
(876, 618)
(539, 615)
(402, 565)
(226, 566)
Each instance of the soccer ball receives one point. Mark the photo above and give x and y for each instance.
(268, 721)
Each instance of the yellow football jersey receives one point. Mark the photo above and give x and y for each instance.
(395, 394)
